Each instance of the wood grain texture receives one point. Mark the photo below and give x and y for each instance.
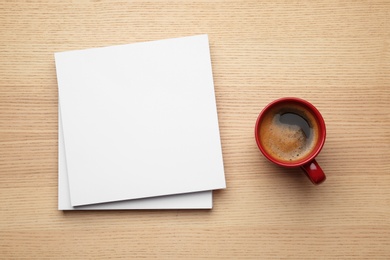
(335, 54)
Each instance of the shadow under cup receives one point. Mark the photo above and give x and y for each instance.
(290, 132)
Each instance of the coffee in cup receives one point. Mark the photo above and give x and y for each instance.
(291, 132)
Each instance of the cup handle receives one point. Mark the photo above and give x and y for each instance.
(314, 172)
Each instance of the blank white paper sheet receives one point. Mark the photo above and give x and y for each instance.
(139, 121)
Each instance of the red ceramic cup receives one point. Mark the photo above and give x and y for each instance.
(278, 126)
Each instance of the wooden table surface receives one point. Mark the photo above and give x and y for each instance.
(336, 54)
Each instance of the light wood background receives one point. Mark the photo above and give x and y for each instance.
(336, 54)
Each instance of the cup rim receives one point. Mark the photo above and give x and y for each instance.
(319, 119)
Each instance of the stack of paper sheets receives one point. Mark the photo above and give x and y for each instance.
(138, 126)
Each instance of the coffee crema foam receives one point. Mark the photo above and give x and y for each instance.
(289, 132)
